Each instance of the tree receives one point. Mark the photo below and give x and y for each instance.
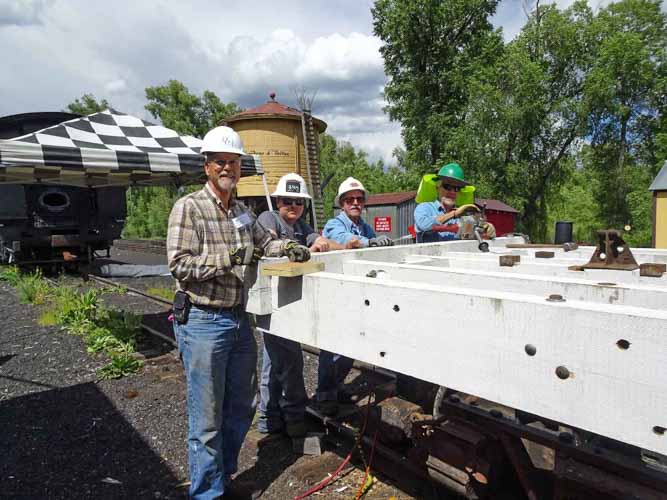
(87, 105)
(626, 98)
(431, 48)
(187, 113)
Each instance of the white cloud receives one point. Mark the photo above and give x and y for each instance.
(116, 86)
(22, 12)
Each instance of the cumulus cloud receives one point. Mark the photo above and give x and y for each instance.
(116, 86)
(22, 12)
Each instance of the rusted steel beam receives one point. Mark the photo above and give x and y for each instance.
(612, 252)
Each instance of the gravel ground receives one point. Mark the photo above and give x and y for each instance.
(65, 434)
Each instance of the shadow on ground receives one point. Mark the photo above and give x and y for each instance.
(73, 443)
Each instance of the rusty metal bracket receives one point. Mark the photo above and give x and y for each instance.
(612, 253)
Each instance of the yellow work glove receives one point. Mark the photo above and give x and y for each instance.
(489, 230)
(462, 210)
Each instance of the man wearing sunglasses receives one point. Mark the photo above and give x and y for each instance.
(211, 240)
(439, 220)
(283, 397)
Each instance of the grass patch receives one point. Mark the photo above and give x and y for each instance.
(107, 331)
(10, 274)
(162, 292)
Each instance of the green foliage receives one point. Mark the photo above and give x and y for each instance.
(148, 211)
(87, 105)
(184, 112)
(431, 49)
(122, 363)
(31, 288)
(10, 274)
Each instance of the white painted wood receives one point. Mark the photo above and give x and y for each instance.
(467, 327)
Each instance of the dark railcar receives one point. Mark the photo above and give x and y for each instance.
(46, 222)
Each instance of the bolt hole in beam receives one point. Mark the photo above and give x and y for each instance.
(623, 345)
(660, 431)
(367, 302)
(383, 354)
(562, 373)
(396, 308)
(531, 350)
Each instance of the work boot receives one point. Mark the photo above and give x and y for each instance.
(296, 429)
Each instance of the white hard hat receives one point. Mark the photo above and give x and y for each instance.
(222, 140)
(291, 186)
(350, 184)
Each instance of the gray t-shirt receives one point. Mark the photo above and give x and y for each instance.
(300, 231)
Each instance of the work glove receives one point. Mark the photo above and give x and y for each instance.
(464, 209)
(296, 252)
(489, 230)
(241, 256)
(380, 241)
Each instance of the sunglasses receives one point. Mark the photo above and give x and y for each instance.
(449, 187)
(292, 201)
(352, 199)
(222, 163)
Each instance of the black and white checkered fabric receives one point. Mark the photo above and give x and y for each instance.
(107, 145)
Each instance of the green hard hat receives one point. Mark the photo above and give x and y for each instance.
(452, 172)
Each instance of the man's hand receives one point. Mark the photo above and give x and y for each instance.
(353, 243)
(462, 210)
(240, 256)
(296, 252)
(489, 230)
(380, 241)
(320, 245)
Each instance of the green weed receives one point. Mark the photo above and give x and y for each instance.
(10, 274)
(122, 363)
(31, 288)
(162, 292)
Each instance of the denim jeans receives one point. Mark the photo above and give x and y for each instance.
(331, 373)
(282, 390)
(219, 355)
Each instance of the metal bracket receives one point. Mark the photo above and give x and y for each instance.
(612, 253)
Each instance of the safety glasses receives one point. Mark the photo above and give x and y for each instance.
(292, 201)
(449, 187)
(222, 163)
(351, 199)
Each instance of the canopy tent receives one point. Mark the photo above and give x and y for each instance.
(107, 149)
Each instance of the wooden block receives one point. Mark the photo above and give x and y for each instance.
(544, 255)
(292, 269)
(652, 270)
(309, 445)
(509, 260)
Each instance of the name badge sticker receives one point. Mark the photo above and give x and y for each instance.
(243, 220)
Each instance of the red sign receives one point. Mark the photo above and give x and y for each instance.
(382, 224)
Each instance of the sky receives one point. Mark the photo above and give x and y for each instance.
(57, 50)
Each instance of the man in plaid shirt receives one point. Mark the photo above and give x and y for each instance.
(212, 238)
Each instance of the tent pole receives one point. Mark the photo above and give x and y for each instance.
(266, 192)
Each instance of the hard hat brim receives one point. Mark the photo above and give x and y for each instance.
(277, 194)
(453, 180)
(223, 150)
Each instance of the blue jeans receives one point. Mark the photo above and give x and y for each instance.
(331, 373)
(282, 390)
(219, 355)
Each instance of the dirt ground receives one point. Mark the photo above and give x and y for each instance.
(66, 434)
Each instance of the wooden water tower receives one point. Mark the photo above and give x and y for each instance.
(287, 139)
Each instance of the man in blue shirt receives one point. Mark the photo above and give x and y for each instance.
(348, 228)
(443, 213)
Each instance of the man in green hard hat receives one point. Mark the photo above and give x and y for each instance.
(439, 220)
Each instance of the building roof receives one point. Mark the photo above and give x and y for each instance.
(390, 198)
(398, 198)
(660, 181)
(274, 109)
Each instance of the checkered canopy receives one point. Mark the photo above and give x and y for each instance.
(107, 148)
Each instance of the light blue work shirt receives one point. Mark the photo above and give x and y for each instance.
(425, 214)
(341, 230)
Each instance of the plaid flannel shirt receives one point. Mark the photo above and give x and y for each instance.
(200, 236)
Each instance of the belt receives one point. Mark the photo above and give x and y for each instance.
(235, 309)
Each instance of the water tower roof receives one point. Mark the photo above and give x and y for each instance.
(274, 109)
